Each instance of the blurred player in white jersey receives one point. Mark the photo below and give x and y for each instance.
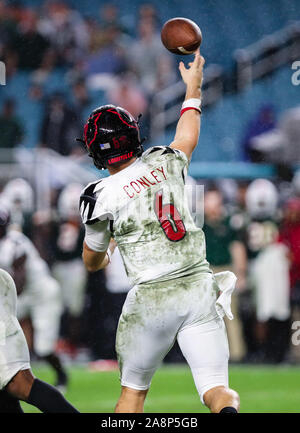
(19, 196)
(16, 379)
(268, 272)
(68, 268)
(142, 205)
(39, 294)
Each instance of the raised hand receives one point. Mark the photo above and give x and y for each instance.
(193, 75)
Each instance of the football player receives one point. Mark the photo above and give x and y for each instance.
(268, 273)
(143, 207)
(39, 294)
(19, 196)
(68, 269)
(16, 379)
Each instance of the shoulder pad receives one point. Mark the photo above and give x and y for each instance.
(90, 189)
(162, 149)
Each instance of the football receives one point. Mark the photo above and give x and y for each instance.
(181, 36)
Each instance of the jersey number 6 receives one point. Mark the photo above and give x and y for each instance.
(169, 218)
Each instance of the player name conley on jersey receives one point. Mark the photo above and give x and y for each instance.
(152, 178)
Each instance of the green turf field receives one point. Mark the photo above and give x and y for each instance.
(262, 389)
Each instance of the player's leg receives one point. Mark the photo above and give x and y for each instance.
(54, 361)
(72, 279)
(20, 385)
(9, 404)
(131, 400)
(24, 386)
(45, 314)
(222, 399)
(14, 353)
(16, 379)
(145, 335)
(138, 361)
(205, 348)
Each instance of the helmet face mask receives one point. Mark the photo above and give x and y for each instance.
(111, 136)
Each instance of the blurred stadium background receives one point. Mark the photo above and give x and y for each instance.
(63, 59)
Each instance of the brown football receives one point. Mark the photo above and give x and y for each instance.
(181, 36)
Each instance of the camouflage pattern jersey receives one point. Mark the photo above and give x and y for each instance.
(148, 216)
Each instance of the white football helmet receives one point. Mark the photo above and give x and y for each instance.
(19, 195)
(261, 199)
(68, 201)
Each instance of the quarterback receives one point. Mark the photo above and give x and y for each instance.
(142, 206)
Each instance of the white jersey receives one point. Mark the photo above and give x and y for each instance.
(15, 245)
(149, 217)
